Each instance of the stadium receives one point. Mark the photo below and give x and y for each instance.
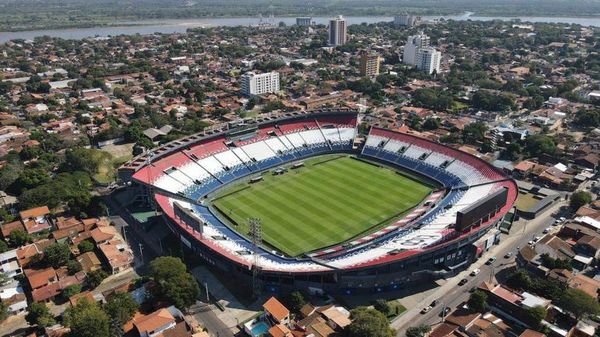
(302, 200)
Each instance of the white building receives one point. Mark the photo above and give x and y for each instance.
(304, 21)
(337, 31)
(406, 20)
(258, 84)
(9, 264)
(428, 60)
(412, 46)
(13, 296)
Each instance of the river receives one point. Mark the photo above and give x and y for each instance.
(180, 26)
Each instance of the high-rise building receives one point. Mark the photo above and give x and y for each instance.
(337, 31)
(406, 20)
(258, 84)
(304, 21)
(369, 64)
(428, 60)
(413, 44)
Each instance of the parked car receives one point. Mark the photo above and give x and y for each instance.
(508, 255)
(463, 282)
(445, 311)
(490, 260)
(426, 310)
(434, 303)
(475, 272)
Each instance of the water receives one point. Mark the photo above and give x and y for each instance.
(180, 26)
(260, 329)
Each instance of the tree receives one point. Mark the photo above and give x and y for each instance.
(121, 307)
(296, 301)
(478, 301)
(382, 306)
(418, 331)
(85, 246)
(579, 303)
(19, 237)
(87, 319)
(579, 199)
(73, 267)
(3, 246)
(94, 278)
(174, 283)
(519, 280)
(4, 279)
(535, 316)
(38, 314)
(57, 254)
(474, 132)
(71, 290)
(368, 322)
(539, 144)
(3, 312)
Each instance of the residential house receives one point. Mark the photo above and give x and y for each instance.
(276, 312)
(154, 324)
(9, 263)
(36, 219)
(116, 254)
(13, 296)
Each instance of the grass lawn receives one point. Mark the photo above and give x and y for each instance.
(330, 200)
(396, 309)
(526, 201)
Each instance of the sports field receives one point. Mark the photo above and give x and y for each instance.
(330, 200)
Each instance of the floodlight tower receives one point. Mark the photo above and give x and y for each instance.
(256, 236)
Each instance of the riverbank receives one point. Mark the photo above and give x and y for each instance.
(182, 25)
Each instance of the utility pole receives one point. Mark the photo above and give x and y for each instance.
(256, 236)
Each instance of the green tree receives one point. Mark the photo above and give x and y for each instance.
(57, 254)
(539, 144)
(94, 278)
(121, 307)
(3, 246)
(18, 238)
(368, 322)
(3, 312)
(382, 306)
(71, 290)
(474, 132)
(418, 331)
(478, 301)
(296, 301)
(85, 246)
(579, 303)
(73, 267)
(87, 319)
(38, 314)
(535, 316)
(174, 283)
(578, 199)
(519, 280)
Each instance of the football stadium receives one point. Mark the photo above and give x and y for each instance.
(303, 200)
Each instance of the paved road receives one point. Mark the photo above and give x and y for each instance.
(205, 315)
(451, 294)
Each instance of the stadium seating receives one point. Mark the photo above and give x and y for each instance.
(192, 173)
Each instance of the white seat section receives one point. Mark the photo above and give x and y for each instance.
(228, 159)
(258, 151)
(286, 142)
(374, 141)
(276, 145)
(394, 145)
(415, 152)
(194, 171)
(181, 177)
(211, 165)
(312, 136)
(241, 154)
(296, 139)
(331, 134)
(168, 183)
(437, 159)
(466, 173)
(347, 133)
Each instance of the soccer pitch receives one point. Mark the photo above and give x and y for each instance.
(330, 200)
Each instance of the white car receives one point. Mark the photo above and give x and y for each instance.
(546, 230)
(475, 272)
(426, 310)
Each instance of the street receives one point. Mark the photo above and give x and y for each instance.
(450, 294)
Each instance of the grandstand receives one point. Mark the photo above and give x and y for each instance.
(434, 238)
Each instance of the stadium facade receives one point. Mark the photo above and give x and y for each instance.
(445, 233)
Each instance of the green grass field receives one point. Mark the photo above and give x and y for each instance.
(330, 200)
